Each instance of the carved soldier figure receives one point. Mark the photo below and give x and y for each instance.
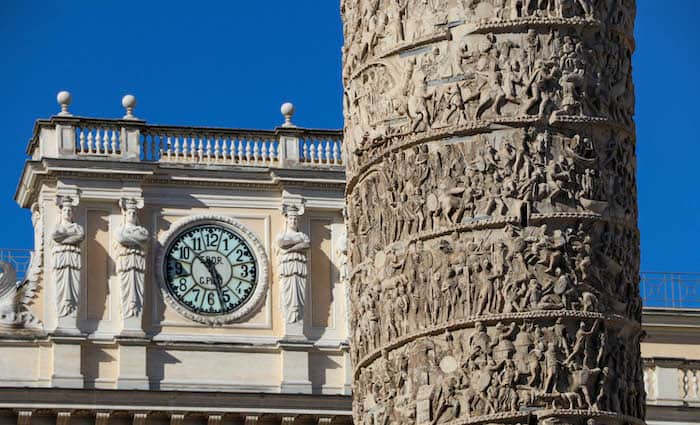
(293, 246)
(551, 368)
(131, 258)
(67, 237)
(581, 340)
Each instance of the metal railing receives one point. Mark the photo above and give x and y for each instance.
(670, 290)
(19, 258)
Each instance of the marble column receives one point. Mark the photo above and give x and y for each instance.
(493, 241)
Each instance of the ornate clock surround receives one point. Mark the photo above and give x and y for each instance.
(262, 264)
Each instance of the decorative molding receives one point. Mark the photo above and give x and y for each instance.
(214, 419)
(102, 418)
(177, 419)
(24, 417)
(139, 418)
(63, 418)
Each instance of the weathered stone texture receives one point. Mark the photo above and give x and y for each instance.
(492, 211)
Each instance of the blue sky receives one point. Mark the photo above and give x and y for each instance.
(233, 63)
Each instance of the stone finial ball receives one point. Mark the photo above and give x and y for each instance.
(64, 98)
(129, 101)
(287, 109)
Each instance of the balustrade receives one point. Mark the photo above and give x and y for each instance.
(132, 139)
(223, 146)
(316, 150)
(689, 377)
(672, 382)
(98, 140)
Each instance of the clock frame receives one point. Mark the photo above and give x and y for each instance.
(251, 302)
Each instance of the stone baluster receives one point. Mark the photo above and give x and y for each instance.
(239, 150)
(91, 141)
(83, 148)
(264, 152)
(217, 148)
(113, 141)
(336, 152)
(248, 149)
(256, 150)
(176, 147)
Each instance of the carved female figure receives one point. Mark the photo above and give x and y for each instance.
(67, 237)
(293, 246)
(131, 259)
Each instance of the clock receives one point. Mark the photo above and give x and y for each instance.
(213, 269)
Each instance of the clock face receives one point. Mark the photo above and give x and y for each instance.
(210, 269)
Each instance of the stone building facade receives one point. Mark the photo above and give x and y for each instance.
(180, 274)
(109, 196)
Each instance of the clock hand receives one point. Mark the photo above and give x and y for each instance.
(216, 277)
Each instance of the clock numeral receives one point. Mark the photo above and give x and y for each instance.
(225, 241)
(196, 291)
(245, 270)
(226, 297)
(210, 298)
(197, 244)
(183, 285)
(212, 239)
(239, 253)
(185, 252)
(178, 269)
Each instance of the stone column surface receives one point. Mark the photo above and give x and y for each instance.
(492, 206)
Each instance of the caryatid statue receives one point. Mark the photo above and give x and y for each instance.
(67, 263)
(492, 211)
(293, 246)
(131, 239)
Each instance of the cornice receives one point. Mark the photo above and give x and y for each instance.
(173, 401)
(36, 172)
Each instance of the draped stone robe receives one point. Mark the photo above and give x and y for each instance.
(131, 267)
(67, 265)
(293, 273)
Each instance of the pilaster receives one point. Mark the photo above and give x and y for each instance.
(666, 381)
(66, 359)
(131, 139)
(347, 369)
(295, 367)
(133, 359)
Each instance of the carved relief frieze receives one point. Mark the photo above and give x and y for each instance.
(492, 210)
(414, 286)
(505, 174)
(500, 369)
(561, 74)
